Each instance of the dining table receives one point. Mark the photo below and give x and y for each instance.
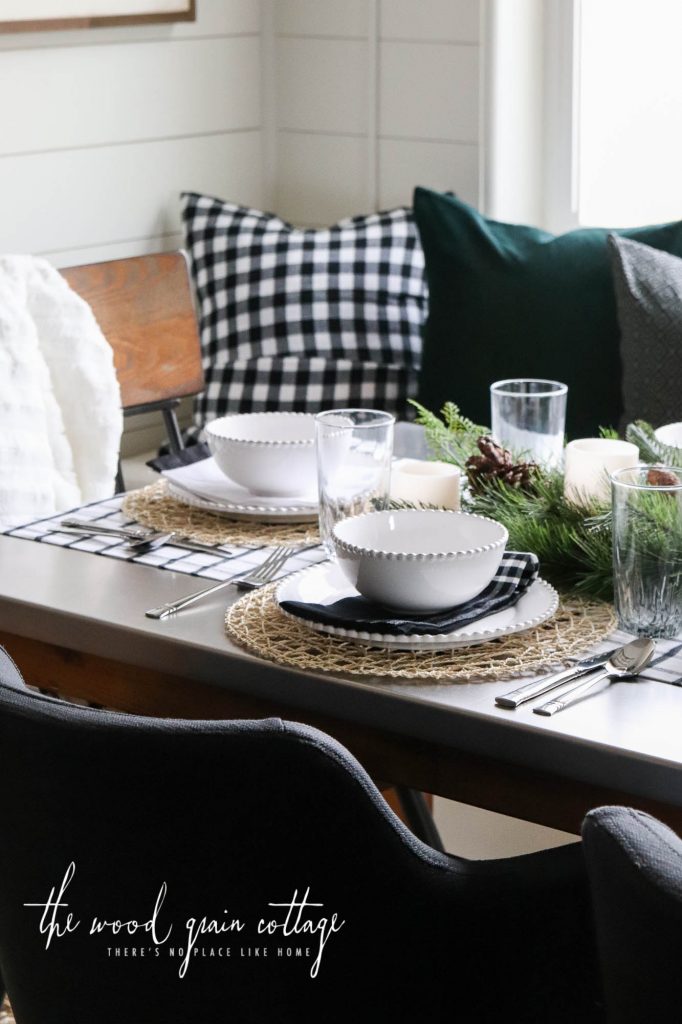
(76, 625)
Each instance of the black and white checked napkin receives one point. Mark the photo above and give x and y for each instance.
(517, 571)
(664, 667)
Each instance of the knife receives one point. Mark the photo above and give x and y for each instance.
(538, 687)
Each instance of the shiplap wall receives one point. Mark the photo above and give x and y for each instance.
(372, 97)
(100, 129)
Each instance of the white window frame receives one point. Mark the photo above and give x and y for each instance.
(529, 112)
(561, 113)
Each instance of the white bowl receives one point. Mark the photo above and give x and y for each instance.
(670, 434)
(269, 453)
(418, 560)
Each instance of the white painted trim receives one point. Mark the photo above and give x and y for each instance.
(487, 32)
(388, 137)
(562, 22)
(529, 104)
(512, 110)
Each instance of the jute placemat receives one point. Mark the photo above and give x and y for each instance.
(6, 1015)
(257, 623)
(153, 506)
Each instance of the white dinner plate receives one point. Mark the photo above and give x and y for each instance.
(203, 485)
(325, 584)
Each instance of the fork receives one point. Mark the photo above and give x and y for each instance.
(265, 573)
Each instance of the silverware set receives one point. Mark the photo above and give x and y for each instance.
(619, 663)
(138, 538)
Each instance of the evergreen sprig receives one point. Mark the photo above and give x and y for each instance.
(573, 548)
(452, 438)
(650, 448)
(573, 542)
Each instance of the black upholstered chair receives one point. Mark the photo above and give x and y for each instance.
(233, 816)
(635, 868)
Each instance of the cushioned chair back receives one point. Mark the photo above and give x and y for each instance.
(234, 816)
(635, 868)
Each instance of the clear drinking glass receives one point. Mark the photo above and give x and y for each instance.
(528, 416)
(354, 451)
(647, 549)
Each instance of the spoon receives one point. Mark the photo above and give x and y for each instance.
(143, 547)
(623, 664)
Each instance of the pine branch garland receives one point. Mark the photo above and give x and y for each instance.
(573, 542)
(573, 555)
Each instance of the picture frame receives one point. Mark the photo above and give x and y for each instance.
(38, 16)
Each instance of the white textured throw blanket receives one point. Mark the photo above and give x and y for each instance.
(60, 404)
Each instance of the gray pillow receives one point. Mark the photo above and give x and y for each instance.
(648, 285)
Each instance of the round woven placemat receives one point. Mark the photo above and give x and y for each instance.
(153, 506)
(257, 623)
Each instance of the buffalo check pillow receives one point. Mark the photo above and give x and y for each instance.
(304, 319)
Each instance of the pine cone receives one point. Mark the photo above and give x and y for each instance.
(657, 477)
(496, 462)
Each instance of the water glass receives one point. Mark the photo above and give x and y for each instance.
(528, 416)
(647, 549)
(354, 452)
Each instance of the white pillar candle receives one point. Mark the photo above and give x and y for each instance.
(589, 463)
(425, 483)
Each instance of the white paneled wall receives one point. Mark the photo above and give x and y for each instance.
(322, 83)
(370, 98)
(97, 202)
(100, 129)
(320, 177)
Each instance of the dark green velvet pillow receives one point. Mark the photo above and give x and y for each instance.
(513, 301)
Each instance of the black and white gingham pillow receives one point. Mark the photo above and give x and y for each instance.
(302, 320)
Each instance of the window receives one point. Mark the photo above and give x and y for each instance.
(624, 143)
(583, 112)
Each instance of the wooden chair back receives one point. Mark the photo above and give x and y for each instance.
(144, 306)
